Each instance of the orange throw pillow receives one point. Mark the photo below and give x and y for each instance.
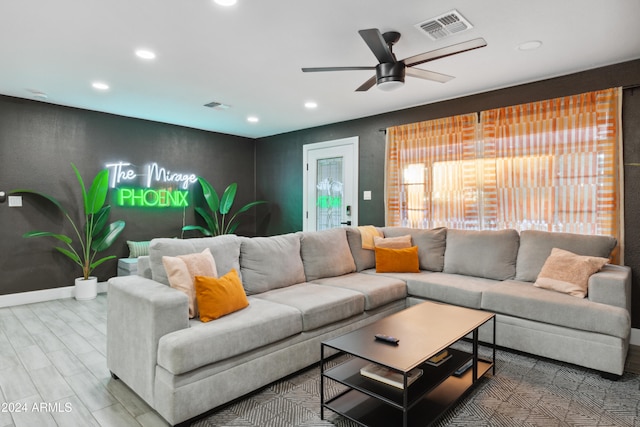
(397, 260)
(217, 297)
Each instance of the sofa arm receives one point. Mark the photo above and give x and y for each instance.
(144, 266)
(612, 286)
(139, 312)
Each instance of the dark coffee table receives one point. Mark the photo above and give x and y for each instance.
(424, 330)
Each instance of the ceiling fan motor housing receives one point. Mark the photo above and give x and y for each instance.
(390, 72)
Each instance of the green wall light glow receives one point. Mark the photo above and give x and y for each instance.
(151, 197)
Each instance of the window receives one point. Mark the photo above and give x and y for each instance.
(552, 165)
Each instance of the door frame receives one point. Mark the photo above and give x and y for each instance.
(352, 141)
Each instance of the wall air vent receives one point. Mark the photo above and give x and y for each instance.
(445, 25)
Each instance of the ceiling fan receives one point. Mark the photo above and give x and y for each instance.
(390, 72)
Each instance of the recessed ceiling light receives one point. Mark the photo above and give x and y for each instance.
(530, 45)
(253, 119)
(311, 105)
(225, 2)
(145, 54)
(100, 85)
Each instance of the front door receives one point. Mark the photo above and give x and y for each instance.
(330, 184)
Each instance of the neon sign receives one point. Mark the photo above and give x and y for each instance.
(150, 178)
(125, 172)
(149, 197)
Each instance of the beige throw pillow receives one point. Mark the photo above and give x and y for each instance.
(181, 271)
(564, 271)
(400, 242)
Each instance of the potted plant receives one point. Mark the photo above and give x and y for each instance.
(216, 220)
(94, 234)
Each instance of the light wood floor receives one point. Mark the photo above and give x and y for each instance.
(54, 353)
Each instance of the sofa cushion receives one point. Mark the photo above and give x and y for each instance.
(219, 296)
(487, 253)
(326, 253)
(182, 270)
(261, 323)
(465, 291)
(431, 245)
(397, 260)
(567, 272)
(363, 258)
(400, 242)
(225, 250)
(270, 262)
(535, 247)
(319, 305)
(522, 299)
(377, 290)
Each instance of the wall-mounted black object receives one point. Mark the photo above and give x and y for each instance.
(3, 197)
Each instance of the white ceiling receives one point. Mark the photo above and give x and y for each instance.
(249, 56)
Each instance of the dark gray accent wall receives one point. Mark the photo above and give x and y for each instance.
(38, 142)
(279, 158)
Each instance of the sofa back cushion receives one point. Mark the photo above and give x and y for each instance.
(225, 250)
(536, 246)
(326, 253)
(270, 262)
(431, 244)
(487, 253)
(363, 258)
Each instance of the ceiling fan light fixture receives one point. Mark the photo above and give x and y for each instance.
(390, 76)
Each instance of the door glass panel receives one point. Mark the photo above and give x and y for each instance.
(329, 193)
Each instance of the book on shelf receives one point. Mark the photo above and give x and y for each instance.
(464, 368)
(389, 376)
(439, 358)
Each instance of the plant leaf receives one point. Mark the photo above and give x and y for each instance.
(106, 239)
(212, 222)
(232, 227)
(210, 195)
(203, 230)
(250, 205)
(100, 220)
(227, 198)
(70, 254)
(49, 198)
(61, 237)
(100, 261)
(97, 195)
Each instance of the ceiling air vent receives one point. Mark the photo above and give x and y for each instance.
(217, 105)
(445, 25)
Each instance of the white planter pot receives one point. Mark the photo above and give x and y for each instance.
(86, 289)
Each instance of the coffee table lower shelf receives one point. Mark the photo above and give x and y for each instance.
(371, 411)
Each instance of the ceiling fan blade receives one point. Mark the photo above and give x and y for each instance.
(428, 75)
(319, 69)
(378, 46)
(444, 52)
(367, 85)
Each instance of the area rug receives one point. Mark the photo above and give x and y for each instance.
(526, 391)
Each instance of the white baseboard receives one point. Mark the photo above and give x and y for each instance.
(43, 295)
(635, 337)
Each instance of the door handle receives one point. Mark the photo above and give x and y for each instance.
(346, 223)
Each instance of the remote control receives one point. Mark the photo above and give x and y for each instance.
(387, 338)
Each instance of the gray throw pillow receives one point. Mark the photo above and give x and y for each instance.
(326, 253)
(431, 244)
(270, 262)
(536, 246)
(486, 253)
(225, 250)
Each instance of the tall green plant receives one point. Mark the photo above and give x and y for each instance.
(94, 235)
(216, 217)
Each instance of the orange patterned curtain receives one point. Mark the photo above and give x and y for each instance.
(428, 182)
(552, 165)
(556, 165)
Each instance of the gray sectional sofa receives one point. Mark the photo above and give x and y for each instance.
(307, 287)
